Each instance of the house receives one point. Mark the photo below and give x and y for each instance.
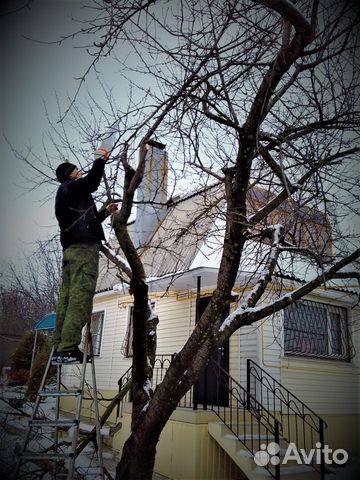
(295, 373)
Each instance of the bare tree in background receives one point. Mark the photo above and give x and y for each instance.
(256, 96)
(30, 290)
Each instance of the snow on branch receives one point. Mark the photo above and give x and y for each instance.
(147, 387)
(118, 260)
(246, 315)
(248, 304)
(151, 314)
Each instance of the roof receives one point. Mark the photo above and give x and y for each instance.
(47, 322)
(190, 235)
(182, 232)
(178, 238)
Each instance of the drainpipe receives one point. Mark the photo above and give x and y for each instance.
(197, 317)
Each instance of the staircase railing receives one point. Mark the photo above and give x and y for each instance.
(248, 420)
(125, 378)
(262, 413)
(299, 423)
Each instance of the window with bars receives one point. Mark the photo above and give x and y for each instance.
(126, 347)
(317, 330)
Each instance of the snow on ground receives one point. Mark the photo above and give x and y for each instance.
(15, 412)
(13, 425)
(14, 415)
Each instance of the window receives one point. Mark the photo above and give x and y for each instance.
(126, 348)
(97, 320)
(317, 330)
(96, 329)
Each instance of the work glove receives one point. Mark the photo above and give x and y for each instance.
(102, 153)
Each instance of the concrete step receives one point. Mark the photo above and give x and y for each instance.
(250, 427)
(244, 459)
(246, 433)
(88, 427)
(294, 472)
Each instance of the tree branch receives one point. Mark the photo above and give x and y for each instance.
(247, 316)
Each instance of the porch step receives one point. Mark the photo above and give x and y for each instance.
(88, 427)
(244, 459)
(239, 416)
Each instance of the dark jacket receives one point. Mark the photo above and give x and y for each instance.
(75, 210)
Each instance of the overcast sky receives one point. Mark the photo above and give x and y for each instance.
(31, 73)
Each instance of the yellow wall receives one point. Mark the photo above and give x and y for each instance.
(68, 405)
(343, 432)
(186, 451)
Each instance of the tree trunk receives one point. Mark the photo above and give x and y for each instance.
(138, 459)
(138, 456)
(139, 452)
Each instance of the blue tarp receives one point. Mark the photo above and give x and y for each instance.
(47, 322)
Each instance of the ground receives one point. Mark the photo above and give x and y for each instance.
(14, 415)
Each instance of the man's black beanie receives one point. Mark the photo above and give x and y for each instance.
(64, 170)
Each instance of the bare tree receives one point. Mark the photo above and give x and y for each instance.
(255, 96)
(29, 289)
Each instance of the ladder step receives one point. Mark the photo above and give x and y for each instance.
(53, 423)
(38, 420)
(60, 393)
(45, 456)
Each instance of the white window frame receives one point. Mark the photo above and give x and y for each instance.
(96, 332)
(97, 336)
(126, 348)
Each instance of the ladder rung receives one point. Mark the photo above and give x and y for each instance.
(53, 423)
(38, 421)
(60, 393)
(45, 456)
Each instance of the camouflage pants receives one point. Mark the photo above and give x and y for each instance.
(79, 274)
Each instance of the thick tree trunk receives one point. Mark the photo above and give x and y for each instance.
(139, 452)
(141, 368)
(138, 459)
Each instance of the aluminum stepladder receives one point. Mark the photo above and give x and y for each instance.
(55, 452)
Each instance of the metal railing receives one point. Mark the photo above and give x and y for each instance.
(248, 420)
(263, 412)
(299, 423)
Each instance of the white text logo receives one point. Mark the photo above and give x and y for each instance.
(271, 454)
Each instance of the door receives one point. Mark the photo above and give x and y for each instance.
(212, 387)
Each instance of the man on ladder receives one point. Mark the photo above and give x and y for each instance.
(81, 234)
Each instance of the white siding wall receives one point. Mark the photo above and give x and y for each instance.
(110, 365)
(176, 321)
(248, 346)
(270, 337)
(326, 386)
(234, 356)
